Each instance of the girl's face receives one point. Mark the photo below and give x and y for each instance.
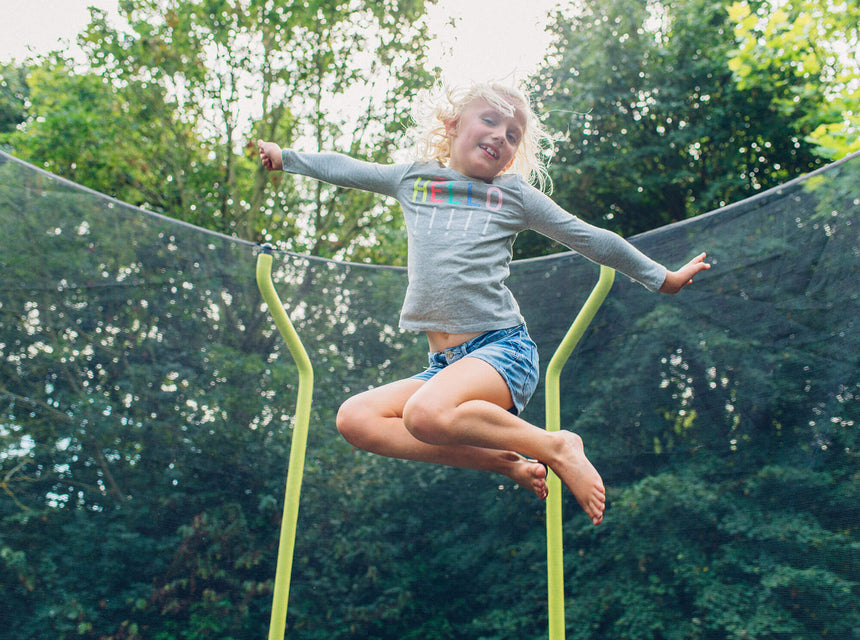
(484, 141)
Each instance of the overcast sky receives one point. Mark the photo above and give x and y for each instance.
(493, 39)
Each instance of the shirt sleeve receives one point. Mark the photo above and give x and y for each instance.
(598, 245)
(344, 171)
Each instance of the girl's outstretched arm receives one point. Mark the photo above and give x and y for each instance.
(677, 280)
(270, 155)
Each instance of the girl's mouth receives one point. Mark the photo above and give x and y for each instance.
(489, 151)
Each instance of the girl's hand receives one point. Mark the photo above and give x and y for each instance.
(270, 155)
(677, 280)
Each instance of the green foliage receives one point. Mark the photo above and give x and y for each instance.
(13, 96)
(799, 53)
(79, 126)
(146, 399)
(654, 128)
(694, 558)
(146, 406)
(166, 112)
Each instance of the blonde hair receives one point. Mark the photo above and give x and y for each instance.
(443, 104)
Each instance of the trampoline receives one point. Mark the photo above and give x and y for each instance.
(149, 402)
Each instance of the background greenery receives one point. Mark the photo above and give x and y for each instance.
(663, 110)
(146, 401)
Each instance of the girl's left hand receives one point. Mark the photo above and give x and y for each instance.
(677, 280)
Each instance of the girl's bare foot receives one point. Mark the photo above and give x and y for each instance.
(580, 476)
(529, 474)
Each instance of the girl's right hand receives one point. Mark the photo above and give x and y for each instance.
(270, 155)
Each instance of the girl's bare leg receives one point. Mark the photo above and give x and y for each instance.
(463, 405)
(373, 421)
(459, 418)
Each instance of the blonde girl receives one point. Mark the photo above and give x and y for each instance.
(464, 200)
(443, 104)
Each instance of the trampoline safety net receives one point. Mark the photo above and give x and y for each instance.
(146, 401)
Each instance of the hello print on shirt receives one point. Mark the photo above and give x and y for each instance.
(438, 192)
(434, 192)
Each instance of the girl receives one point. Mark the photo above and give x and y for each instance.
(464, 201)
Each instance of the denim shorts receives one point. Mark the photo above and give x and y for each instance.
(511, 352)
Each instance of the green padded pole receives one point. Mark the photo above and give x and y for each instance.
(555, 552)
(295, 470)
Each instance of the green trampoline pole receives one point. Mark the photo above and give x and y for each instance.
(295, 470)
(555, 552)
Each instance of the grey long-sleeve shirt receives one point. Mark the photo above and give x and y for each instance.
(460, 237)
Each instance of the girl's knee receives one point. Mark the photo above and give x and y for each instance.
(427, 421)
(352, 420)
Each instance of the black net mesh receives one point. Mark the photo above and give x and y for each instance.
(147, 400)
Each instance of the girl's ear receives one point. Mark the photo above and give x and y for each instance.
(451, 126)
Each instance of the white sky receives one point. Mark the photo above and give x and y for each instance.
(493, 39)
(39, 27)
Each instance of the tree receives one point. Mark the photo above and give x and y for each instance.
(654, 129)
(13, 96)
(169, 107)
(293, 69)
(129, 143)
(800, 54)
(146, 402)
